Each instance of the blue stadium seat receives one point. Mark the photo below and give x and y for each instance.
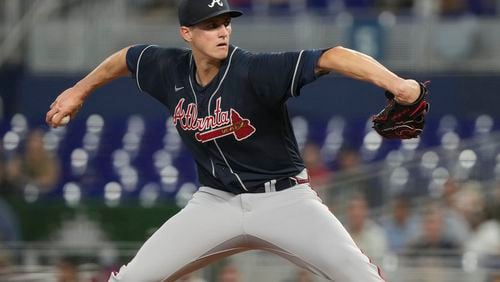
(19, 125)
(134, 153)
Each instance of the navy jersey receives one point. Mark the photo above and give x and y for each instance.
(236, 127)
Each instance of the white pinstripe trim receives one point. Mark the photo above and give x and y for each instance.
(222, 79)
(209, 103)
(292, 92)
(191, 82)
(137, 67)
(230, 168)
(213, 167)
(194, 93)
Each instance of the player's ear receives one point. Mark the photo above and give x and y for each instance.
(185, 33)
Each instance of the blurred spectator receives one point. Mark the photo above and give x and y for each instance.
(229, 273)
(9, 173)
(35, 166)
(9, 233)
(6, 187)
(9, 225)
(432, 241)
(470, 203)
(450, 189)
(350, 178)
(484, 237)
(453, 7)
(368, 235)
(494, 277)
(401, 226)
(494, 203)
(191, 277)
(67, 270)
(426, 8)
(457, 227)
(13, 176)
(349, 167)
(318, 172)
(349, 160)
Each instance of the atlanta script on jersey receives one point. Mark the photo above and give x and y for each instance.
(230, 125)
(211, 127)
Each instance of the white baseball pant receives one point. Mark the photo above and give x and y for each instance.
(292, 223)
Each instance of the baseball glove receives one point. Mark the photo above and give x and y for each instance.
(397, 121)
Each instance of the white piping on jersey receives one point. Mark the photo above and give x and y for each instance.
(191, 82)
(295, 74)
(209, 103)
(194, 93)
(222, 79)
(230, 168)
(196, 102)
(213, 167)
(137, 67)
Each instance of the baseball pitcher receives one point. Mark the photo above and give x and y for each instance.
(229, 107)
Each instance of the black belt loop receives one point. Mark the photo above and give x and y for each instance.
(279, 185)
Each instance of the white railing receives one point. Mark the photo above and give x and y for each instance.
(41, 262)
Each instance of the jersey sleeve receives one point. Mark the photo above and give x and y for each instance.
(277, 76)
(146, 62)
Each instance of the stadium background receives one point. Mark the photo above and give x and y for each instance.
(76, 202)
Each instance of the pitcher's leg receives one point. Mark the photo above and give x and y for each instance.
(303, 230)
(203, 230)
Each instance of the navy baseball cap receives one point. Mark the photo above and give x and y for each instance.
(192, 12)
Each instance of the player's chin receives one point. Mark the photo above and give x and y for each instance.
(221, 52)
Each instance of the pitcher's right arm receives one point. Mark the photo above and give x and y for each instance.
(71, 100)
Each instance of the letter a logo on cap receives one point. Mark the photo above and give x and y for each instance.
(218, 2)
